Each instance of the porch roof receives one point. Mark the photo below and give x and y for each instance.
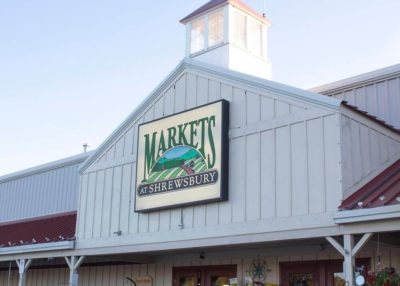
(383, 190)
(38, 230)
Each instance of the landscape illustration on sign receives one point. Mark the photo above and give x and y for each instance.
(178, 168)
(177, 162)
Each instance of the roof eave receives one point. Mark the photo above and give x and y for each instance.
(371, 214)
(59, 245)
(357, 80)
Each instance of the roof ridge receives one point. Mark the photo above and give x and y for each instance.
(216, 3)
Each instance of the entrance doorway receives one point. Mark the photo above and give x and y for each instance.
(316, 273)
(215, 275)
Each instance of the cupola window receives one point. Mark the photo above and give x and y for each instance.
(248, 33)
(215, 28)
(240, 29)
(197, 36)
(255, 38)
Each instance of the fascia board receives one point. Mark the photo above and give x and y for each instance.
(46, 167)
(358, 80)
(50, 246)
(256, 82)
(360, 215)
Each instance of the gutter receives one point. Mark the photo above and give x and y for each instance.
(361, 215)
(59, 245)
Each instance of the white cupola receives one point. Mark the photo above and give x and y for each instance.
(230, 34)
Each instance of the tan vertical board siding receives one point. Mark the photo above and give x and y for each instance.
(298, 151)
(268, 178)
(316, 166)
(283, 170)
(331, 127)
(366, 150)
(275, 170)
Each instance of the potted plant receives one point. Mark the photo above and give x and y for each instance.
(385, 277)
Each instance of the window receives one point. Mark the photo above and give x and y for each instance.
(240, 29)
(216, 29)
(255, 38)
(197, 36)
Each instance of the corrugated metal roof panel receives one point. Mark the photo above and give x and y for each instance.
(46, 229)
(383, 190)
(42, 190)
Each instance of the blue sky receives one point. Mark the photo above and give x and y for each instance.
(71, 71)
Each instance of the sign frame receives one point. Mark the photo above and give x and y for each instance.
(223, 175)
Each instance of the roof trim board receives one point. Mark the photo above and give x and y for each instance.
(370, 117)
(223, 74)
(363, 79)
(361, 215)
(59, 245)
(46, 167)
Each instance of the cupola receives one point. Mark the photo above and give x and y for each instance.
(230, 34)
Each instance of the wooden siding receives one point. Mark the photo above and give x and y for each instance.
(161, 270)
(367, 149)
(42, 193)
(380, 98)
(284, 162)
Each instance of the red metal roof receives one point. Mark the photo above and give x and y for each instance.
(214, 3)
(53, 228)
(383, 190)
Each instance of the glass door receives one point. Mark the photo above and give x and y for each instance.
(217, 275)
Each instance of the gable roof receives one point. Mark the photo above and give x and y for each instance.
(218, 3)
(218, 72)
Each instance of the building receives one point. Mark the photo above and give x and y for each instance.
(219, 177)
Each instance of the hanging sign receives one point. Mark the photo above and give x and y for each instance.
(183, 159)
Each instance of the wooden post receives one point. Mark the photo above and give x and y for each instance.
(349, 261)
(73, 263)
(23, 266)
(349, 252)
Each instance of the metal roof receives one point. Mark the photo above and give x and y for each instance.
(383, 190)
(47, 189)
(46, 167)
(218, 3)
(54, 228)
(361, 79)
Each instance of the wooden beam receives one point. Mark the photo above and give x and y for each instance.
(23, 266)
(364, 239)
(336, 245)
(73, 263)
